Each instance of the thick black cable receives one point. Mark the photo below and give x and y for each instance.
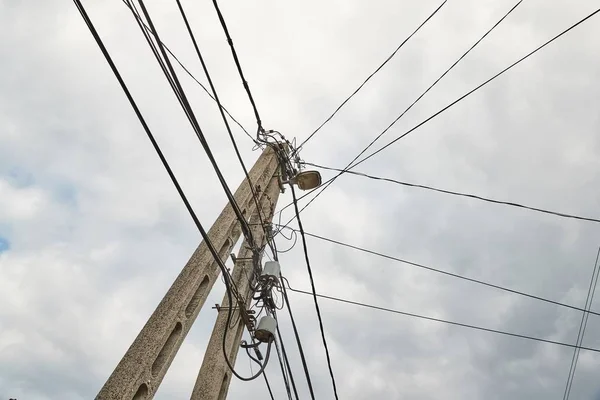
(312, 284)
(264, 374)
(159, 152)
(180, 93)
(218, 101)
(451, 274)
(479, 86)
(582, 327)
(370, 76)
(287, 363)
(298, 342)
(462, 194)
(445, 321)
(238, 65)
(350, 165)
(187, 71)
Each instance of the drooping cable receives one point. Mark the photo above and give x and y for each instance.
(283, 371)
(371, 75)
(180, 94)
(351, 164)
(298, 342)
(312, 283)
(189, 73)
(445, 321)
(462, 194)
(451, 274)
(239, 67)
(217, 100)
(582, 327)
(287, 363)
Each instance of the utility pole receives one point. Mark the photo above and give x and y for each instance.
(214, 376)
(142, 368)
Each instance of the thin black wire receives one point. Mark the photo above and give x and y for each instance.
(582, 328)
(268, 385)
(480, 86)
(462, 194)
(312, 284)
(283, 373)
(287, 363)
(370, 76)
(216, 97)
(518, 335)
(187, 71)
(350, 164)
(298, 342)
(180, 93)
(484, 283)
(239, 67)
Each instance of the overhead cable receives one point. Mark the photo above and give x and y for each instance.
(187, 71)
(422, 266)
(445, 321)
(462, 194)
(312, 284)
(370, 76)
(582, 327)
(351, 163)
(232, 138)
(239, 67)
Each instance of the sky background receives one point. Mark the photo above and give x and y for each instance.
(92, 232)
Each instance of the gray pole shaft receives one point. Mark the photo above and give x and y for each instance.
(214, 376)
(142, 368)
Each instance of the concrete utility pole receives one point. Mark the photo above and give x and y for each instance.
(214, 376)
(142, 368)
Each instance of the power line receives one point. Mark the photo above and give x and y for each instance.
(283, 373)
(239, 67)
(312, 284)
(298, 342)
(350, 164)
(233, 141)
(475, 327)
(287, 363)
(477, 281)
(180, 94)
(155, 145)
(479, 87)
(187, 71)
(370, 76)
(462, 194)
(582, 327)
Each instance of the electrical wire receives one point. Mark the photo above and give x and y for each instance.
(180, 94)
(283, 372)
(287, 362)
(451, 274)
(142, 120)
(445, 321)
(479, 86)
(216, 97)
(187, 71)
(351, 164)
(582, 327)
(239, 67)
(370, 76)
(298, 342)
(462, 194)
(312, 283)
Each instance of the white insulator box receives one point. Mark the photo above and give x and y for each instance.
(271, 269)
(266, 329)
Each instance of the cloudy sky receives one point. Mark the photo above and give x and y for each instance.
(92, 233)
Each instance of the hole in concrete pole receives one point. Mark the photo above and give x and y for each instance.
(197, 297)
(165, 352)
(142, 392)
(223, 391)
